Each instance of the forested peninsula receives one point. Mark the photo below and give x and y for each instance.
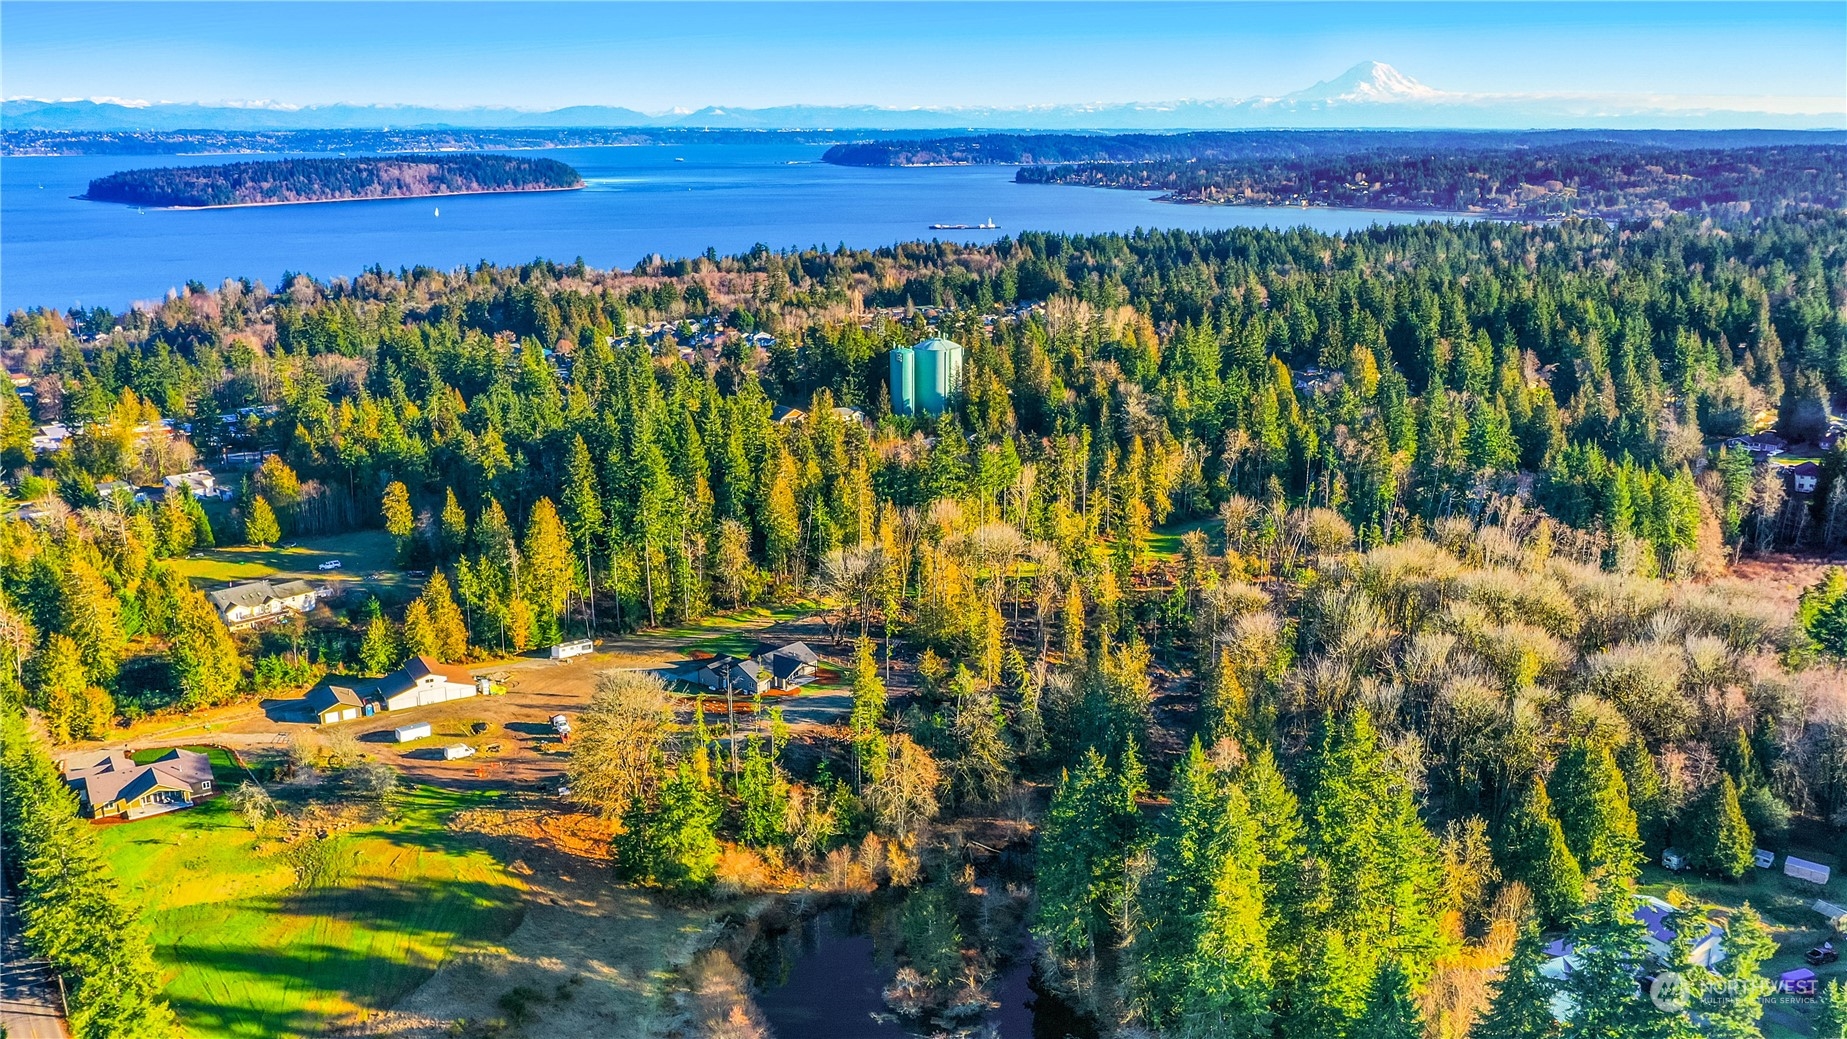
(1617, 176)
(283, 181)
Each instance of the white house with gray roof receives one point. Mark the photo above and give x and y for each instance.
(254, 602)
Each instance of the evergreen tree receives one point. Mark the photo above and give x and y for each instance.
(420, 638)
(763, 799)
(400, 520)
(453, 527)
(1535, 853)
(1391, 1007)
(1522, 1003)
(91, 615)
(1592, 806)
(1084, 842)
(1831, 1011)
(1205, 962)
(448, 630)
(1647, 794)
(1610, 949)
(669, 839)
(260, 527)
(1717, 838)
(55, 686)
(1734, 1008)
(378, 651)
(204, 659)
(549, 571)
(864, 723)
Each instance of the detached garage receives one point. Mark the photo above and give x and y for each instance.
(332, 702)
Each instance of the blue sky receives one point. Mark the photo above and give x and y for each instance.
(658, 56)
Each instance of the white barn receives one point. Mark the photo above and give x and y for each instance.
(423, 682)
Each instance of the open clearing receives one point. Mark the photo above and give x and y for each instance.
(257, 939)
(362, 553)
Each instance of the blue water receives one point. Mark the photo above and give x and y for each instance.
(58, 251)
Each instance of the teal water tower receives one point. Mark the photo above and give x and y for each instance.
(903, 381)
(939, 373)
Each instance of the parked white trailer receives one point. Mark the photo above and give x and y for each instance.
(567, 650)
(457, 750)
(1803, 869)
(406, 733)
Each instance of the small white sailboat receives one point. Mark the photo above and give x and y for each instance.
(439, 211)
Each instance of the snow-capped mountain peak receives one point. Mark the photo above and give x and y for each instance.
(1369, 82)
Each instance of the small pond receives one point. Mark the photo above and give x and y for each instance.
(824, 979)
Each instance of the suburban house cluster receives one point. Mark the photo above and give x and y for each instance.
(110, 785)
(778, 669)
(419, 683)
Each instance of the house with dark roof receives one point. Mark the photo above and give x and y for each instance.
(1803, 477)
(771, 669)
(791, 666)
(110, 785)
(253, 602)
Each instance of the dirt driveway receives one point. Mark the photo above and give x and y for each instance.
(511, 734)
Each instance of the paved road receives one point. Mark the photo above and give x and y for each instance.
(29, 1007)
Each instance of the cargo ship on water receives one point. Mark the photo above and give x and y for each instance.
(989, 226)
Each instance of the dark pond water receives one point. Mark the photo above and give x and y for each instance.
(823, 979)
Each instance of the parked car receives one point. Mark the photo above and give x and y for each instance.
(331, 564)
(1820, 954)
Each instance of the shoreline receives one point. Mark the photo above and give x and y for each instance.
(326, 201)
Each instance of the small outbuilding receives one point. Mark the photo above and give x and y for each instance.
(1798, 982)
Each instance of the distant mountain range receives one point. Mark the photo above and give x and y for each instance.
(1369, 95)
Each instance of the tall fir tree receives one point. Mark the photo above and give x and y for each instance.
(1522, 1004)
(1717, 837)
(1534, 852)
(1591, 801)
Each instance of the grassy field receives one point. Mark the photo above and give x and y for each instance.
(267, 941)
(1164, 542)
(735, 633)
(360, 552)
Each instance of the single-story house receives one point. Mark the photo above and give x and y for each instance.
(771, 669)
(744, 675)
(110, 785)
(1760, 445)
(784, 415)
(791, 666)
(423, 681)
(50, 437)
(201, 483)
(332, 701)
(252, 602)
(1654, 914)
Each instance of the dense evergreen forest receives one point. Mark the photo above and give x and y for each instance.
(1342, 613)
(330, 180)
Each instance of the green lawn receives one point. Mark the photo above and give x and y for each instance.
(360, 552)
(735, 633)
(1164, 542)
(280, 942)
